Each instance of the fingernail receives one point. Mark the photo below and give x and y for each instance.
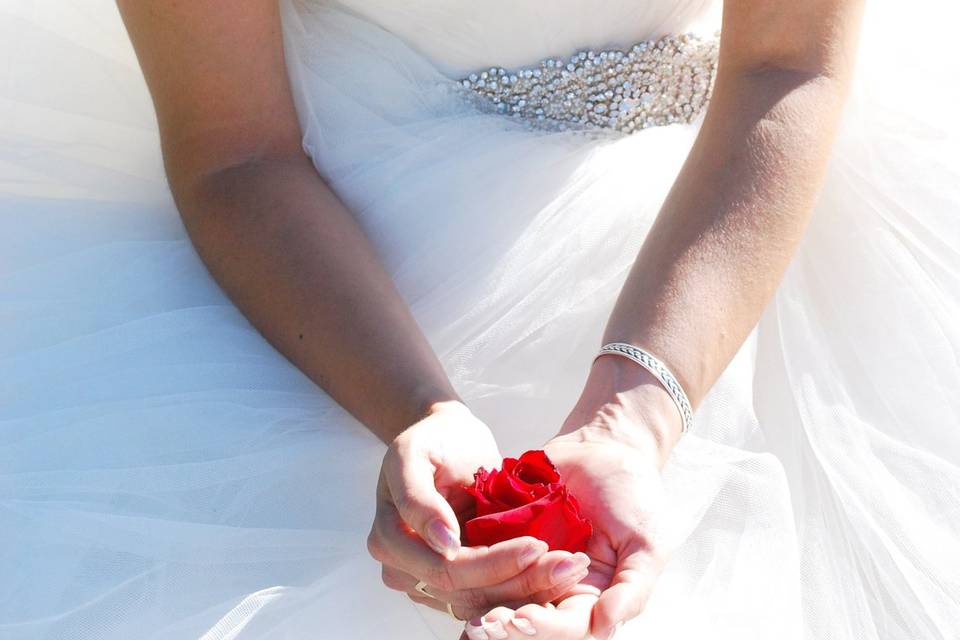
(524, 626)
(569, 568)
(442, 540)
(533, 552)
(615, 629)
(495, 628)
(474, 629)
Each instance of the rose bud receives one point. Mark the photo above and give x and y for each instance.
(526, 498)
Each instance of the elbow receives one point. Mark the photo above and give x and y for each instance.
(799, 41)
(232, 184)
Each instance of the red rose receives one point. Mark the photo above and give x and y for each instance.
(526, 498)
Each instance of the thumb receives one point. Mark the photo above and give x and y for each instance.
(627, 596)
(413, 492)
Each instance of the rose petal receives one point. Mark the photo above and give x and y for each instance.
(485, 502)
(512, 490)
(536, 467)
(484, 505)
(555, 519)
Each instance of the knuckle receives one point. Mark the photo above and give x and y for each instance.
(474, 599)
(374, 546)
(392, 579)
(405, 501)
(401, 446)
(441, 577)
(533, 581)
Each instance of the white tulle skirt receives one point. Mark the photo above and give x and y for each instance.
(164, 473)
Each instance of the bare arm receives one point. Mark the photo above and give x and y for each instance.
(739, 206)
(296, 263)
(711, 262)
(271, 232)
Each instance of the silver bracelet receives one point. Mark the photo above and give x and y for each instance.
(659, 370)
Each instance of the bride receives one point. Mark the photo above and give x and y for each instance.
(432, 215)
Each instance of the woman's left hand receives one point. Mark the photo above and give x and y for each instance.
(610, 458)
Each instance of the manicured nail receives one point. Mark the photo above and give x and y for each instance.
(569, 568)
(615, 629)
(524, 626)
(442, 540)
(495, 628)
(474, 629)
(530, 554)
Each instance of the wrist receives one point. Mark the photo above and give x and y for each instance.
(424, 401)
(624, 403)
(448, 405)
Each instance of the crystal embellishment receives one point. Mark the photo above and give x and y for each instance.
(656, 82)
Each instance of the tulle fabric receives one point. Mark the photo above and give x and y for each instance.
(165, 474)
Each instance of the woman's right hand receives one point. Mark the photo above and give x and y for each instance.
(416, 532)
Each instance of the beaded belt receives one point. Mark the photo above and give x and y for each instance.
(656, 82)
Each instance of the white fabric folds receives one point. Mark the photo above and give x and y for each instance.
(164, 473)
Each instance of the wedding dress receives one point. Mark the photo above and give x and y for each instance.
(164, 473)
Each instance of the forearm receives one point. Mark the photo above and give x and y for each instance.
(296, 263)
(726, 231)
(730, 225)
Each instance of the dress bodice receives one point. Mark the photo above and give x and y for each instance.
(461, 36)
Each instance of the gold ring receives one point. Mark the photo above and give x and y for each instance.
(421, 587)
(452, 614)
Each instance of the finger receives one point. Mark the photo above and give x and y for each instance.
(627, 596)
(428, 602)
(396, 579)
(502, 623)
(544, 576)
(547, 584)
(438, 605)
(411, 486)
(556, 592)
(473, 567)
(392, 543)
(502, 618)
(551, 576)
(569, 621)
(557, 577)
(482, 566)
(473, 629)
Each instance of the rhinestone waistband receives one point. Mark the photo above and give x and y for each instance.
(656, 82)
